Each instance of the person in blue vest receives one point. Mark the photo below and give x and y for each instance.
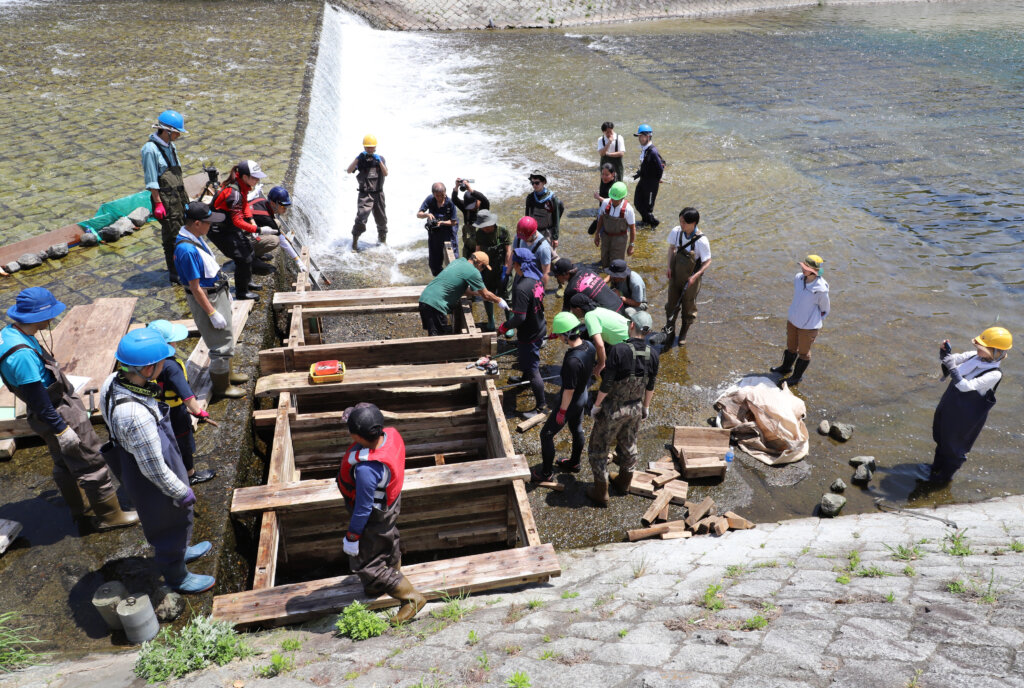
(370, 479)
(207, 297)
(142, 444)
(963, 409)
(56, 413)
(181, 400)
(165, 181)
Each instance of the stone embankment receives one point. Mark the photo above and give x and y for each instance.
(440, 15)
(880, 600)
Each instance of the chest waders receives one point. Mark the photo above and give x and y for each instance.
(174, 198)
(958, 421)
(684, 263)
(615, 239)
(615, 162)
(370, 200)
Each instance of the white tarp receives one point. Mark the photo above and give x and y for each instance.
(767, 422)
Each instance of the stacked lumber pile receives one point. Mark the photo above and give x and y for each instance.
(700, 451)
(701, 518)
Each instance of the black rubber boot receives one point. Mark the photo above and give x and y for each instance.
(787, 363)
(798, 372)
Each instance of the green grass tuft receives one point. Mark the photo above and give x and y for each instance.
(754, 623)
(713, 598)
(199, 643)
(359, 623)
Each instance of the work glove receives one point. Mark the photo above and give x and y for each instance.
(945, 350)
(187, 500)
(595, 409)
(504, 273)
(503, 305)
(560, 417)
(69, 441)
(269, 231)
(376, 157)
(646, 412)
(502, 328)
(218, 321)
(351, 547)
(301, 266)
(160, 212)
(202, 414)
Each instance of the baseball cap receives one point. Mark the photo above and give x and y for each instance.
(485, 218)
(483, 258)
(618, 268)
(642, 320)
(364, 419)
(197, 210)
(562, 266)
(251, 168)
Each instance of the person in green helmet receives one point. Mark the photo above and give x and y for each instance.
(577, 367)
(616, 226)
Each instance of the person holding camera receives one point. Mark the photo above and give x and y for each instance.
(370, 169)
(442, 225)
(471, 203)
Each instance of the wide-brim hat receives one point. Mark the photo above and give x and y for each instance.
(538, 175)
(485, 218)
(172, 332)
(813, 263)
(618, 268)
(35, 304)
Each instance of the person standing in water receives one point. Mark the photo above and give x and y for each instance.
(370, 169)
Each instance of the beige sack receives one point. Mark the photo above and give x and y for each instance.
(767, 422)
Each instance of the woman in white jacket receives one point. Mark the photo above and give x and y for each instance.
(806, 315)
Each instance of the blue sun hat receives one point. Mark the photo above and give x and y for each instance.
(171, 332)
(35, 304)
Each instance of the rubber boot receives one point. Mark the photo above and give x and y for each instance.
(180, 579)
(222, 387)
(197, 550)
(382, 237)
(110, 516)
(412, 601)
(622, 481)
(489, 310)
(355, 242)
(599, 492)
(798, 372)
(683, 329)
(236, 378)
(788, 359)
(77, 501)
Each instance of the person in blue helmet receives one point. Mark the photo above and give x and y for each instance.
(142, 444)
(267, 214)
(165, 181)
(177, 393)
(648, 176)
(56, 413)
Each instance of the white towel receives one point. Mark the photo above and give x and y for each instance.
(210, 267)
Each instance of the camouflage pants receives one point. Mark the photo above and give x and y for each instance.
(615, 423)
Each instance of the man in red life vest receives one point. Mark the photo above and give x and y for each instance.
(370, 478)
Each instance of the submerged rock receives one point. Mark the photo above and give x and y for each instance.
(838, 486)
(862, 475)
(29, 260)
(824, 427)
(840, 431)
(110, 234)
(139, 216)
(57, 251)
(88, 239)
(868, 461)
(832, 504)
(12, 267)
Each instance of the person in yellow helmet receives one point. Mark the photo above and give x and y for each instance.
(964, 406)
(370, 170)
(807, 314)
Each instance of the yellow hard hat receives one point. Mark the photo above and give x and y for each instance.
(369, 140)
(996, 338)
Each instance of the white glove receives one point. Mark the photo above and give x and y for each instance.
(351, 548)
(269, 231)
(301, 266)
(69, 441)
(218, 321)
(503, 305)
(646, 412)
(594, 410)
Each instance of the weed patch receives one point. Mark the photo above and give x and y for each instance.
(956, 544)
(201, 642)
(905, 553)
(359, 623)
(16, 645)
(713, 598)
(754, 623)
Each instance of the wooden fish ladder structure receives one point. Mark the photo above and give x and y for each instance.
(464, 484)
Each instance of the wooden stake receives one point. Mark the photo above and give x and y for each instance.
(643, 533)
(699, 511)
(661, 501)
(532, 422)
(552, 485)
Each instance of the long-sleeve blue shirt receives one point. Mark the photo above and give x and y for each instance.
(368, 475)
(153, 164)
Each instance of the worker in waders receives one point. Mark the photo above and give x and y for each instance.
(370, 479)
(612, 147)
(527, 319)
(370, 169)
(57, 414)
(165, 182)
(544, 207)
(577, 366)
(624, 399)
(207, 297)
(689, 256)
(629, 285)
(496, 242)
(616, 226)
(652, 167)
(964, 407)
(142, 444)
(181, 400)
(807, 313)
(232, 234)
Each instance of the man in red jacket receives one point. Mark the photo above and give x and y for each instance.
(370, 478)
(231, 235)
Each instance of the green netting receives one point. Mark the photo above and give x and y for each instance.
(114, 210)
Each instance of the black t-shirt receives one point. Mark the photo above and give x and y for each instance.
(621, 363)
(528, 309)
(589, 282)
(577, 366)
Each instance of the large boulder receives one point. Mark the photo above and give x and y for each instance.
(840, 431)
(832, 504)
(88, 239)
(139, 216)
(29, 260)
(57, 251)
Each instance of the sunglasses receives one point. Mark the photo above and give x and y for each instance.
(537, 183)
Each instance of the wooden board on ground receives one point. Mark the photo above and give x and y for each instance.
(551, 485)
(698, 511)
(8, 533)
(737, 522)
(189, 324)
(531, 422)
(68, 234)
(84, 342)
(701, 451)
(661, 501)
(370, 378)
(288, 604)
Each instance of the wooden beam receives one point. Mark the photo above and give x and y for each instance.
(365, 354)
(288, 604)
(342, 298)
(69, 234)
(300, 421)
(370, 378)
(320, 494)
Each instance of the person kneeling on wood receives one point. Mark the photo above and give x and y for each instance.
(370, 478)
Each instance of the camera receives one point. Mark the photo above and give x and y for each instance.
(211, 174)
(431, 224)
(462, 183)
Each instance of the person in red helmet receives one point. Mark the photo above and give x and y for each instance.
(527, 236)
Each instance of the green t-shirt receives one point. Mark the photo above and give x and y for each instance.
(445, 290)
(612, 327)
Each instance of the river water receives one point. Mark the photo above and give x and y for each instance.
(885, 138)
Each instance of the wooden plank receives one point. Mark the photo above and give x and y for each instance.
(699, 511)
(366, 354)
(676, 535)
(551, 485)
(339, 311)
(454, 418)
(532, 422)
(341, 298)
(69, 234)
(198, 364)
(8, 533)
(319, 494)
(664, 478)
(683, 435)
(643, 486)
(661, 501)
(296, 333)
(644, 533)
(737, 522)
(188, 324)
(288, 604)
(370, 378)
(265, 567)
(719, 526)
(85, 340)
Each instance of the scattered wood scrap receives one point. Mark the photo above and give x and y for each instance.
(552, 485)
(700, 451)
(532, 422)
(700, 517)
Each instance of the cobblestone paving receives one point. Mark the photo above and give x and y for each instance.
(800, 603)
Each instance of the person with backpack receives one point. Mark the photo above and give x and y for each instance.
(652, 167)
(689, 255)
(231, 235)
(544, 207)
(616, 226)
(528, 236)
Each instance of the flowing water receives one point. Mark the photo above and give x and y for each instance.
(885, 138)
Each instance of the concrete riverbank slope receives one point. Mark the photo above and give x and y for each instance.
(427, 15)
